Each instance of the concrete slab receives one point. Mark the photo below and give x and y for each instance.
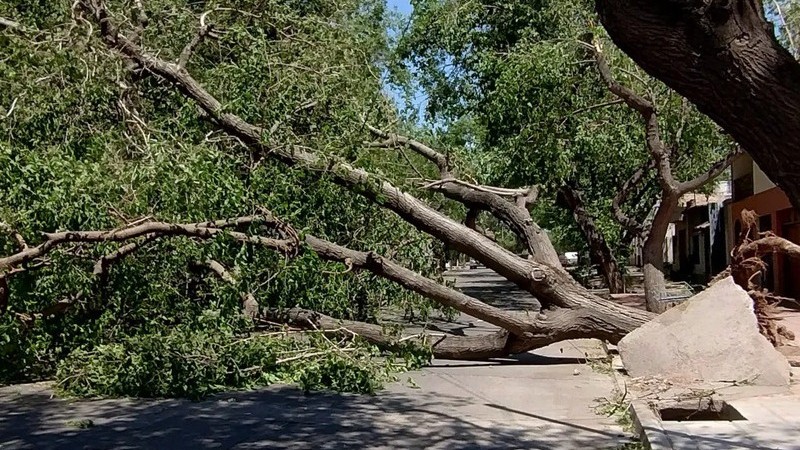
(447, 406)
(771, 416)
(539, 400)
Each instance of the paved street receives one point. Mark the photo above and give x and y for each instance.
(541, 400)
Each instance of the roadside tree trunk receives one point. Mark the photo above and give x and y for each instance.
(599, 251)
(655, 288)
(671, 188)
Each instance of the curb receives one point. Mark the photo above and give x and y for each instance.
(646, 422)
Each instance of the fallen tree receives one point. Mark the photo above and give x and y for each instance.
(568, 309)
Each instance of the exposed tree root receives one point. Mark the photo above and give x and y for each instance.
(748, 268)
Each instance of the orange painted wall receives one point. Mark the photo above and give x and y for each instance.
(763, 203)
(775, 203)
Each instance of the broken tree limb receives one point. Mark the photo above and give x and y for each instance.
(18, 238)
(486, 198)
(421, 285)
(392, 140)
(562, 325)
(551, 285)
(250, 306)
(8, 23)
(203, 230)
(102, 265)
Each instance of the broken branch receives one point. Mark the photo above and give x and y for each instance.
(197, 39)
(199, 230)
(392, 140)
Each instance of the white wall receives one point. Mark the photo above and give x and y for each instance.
(760, 181)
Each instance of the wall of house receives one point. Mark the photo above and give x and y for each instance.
(760, 181)
(742, 165)
(765, 202)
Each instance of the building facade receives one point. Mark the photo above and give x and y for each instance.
(752, 190)
(697, 239)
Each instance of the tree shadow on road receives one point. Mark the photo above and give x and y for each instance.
(278, 417)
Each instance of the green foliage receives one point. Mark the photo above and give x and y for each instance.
(785, 15)
(513, 82)
(87, 144)
(209, 355)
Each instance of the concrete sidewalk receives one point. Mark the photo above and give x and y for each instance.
(542, 401)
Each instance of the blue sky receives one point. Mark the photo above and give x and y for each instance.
(419, 99)
(404, 6)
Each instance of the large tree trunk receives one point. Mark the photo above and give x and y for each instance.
(599, 250)
(562, 324)
(723, 56)
(655, 288)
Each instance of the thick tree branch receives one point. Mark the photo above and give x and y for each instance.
(204, 30)
(199, 230)
(391, 140)
(714, 171)
(381, 192)
(140, 21)
(557, 325)
(420, 284)
(250, 306)
(647, 110)
(444, 346)
(8, 23)
(18, 239)
(631, 225)
(104, 263)
(517, 218)
(599, 249)
(488, 198)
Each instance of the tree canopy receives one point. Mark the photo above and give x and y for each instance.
(537, 110)
(87, 144)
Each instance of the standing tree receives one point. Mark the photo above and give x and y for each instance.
(671, 190)
(523, 75)
(724, 57)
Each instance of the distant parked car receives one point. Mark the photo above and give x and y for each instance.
(570, 259)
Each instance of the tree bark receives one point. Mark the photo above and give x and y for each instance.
(655, 288)
(723, 56)
(599, 250)
(562, 325)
